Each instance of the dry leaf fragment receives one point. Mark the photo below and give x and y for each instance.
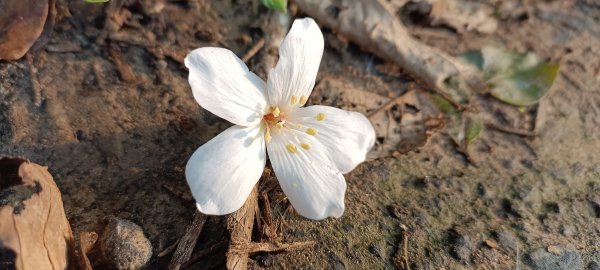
(86, 243)
(21, 23)
(34, 229)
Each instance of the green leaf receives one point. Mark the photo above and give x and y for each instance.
(525, 87)
(517, 79)
(474, 58)
(96, 1)
(278, 5)
(473, 130)
(444, 105)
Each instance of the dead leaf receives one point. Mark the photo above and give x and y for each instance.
(33, 224)
(463, 16)
(21, 23)
(86, 243)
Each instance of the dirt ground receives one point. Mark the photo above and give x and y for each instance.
(118, 145)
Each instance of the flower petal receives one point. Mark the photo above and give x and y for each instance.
(222, 172)
(306, 174)
(293, 78)
(347, 136)
(222, 84)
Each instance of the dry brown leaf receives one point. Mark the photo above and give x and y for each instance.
(86, 243)
(463, 16)
(33, 225)
(21, 23)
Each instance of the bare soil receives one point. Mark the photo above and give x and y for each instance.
(117, 144)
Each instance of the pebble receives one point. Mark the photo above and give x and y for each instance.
(593, 266)
(506, 240)
(124, 245)
(461, 246)
(540, 259)
(377, 251)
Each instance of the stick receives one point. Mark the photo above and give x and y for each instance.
(125, 70)
(239, 225)
(401, 257)
(254, 50)
(271, 247)
(187, 242)
(509, 130)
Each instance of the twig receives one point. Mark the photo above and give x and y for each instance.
(254, 50)
(187, 242)
(168, 250)
(125, 70)
(35, 84)
(239, 225)
(401, 257)
(524, 133)
(251, 248)
(385, 106)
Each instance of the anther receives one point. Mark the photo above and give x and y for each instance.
(267, 136)
(311, 131)
(276, 112)
(302, 100)
(291, 148)
(280, 124)
(294, 100)
(320, 116)
(306, 146)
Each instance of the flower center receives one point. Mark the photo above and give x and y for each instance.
(274, 119)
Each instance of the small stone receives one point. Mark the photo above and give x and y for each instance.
(556, 250)
(265, 260)
(376, 250)
(124, 245)
(567, 230)
(506, 239)
(542, 259)
(491, 243)
(593, 266)
(461, 246)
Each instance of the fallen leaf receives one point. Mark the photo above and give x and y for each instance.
(33, 224)
(21, 23)
(86, 243)
(463, 16)
(473, 130)
(517, 79)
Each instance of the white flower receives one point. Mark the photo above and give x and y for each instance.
(309, 147)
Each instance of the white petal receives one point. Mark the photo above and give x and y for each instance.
(299, 57)
(222, 84)
(222, 172)
(347, 136)
(308, 177)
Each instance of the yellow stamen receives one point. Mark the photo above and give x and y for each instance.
(311, 131)
(306, 146)
(294, 100)
(291, 148)
(320, 116)
(276, 112)
(280, 124)
(302, 100)
(268, 136)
